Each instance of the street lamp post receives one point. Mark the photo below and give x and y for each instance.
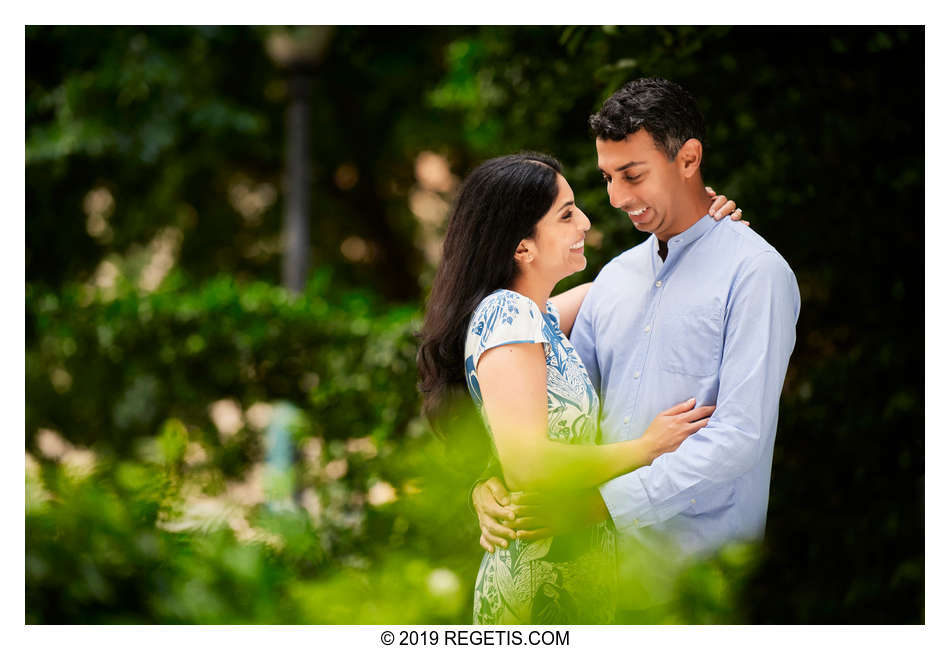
(298, 51)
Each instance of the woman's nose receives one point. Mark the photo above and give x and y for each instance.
(585, 222)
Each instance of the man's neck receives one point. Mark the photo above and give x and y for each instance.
(694, 208)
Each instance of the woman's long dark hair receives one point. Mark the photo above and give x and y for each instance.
(499, 204)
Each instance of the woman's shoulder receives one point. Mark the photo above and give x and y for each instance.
(511, 305)
(506, 315)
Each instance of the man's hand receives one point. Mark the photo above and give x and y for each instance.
(539, 515)
(490, 500)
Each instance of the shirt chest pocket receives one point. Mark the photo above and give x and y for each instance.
(691, 343)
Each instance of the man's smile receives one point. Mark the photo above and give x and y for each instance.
(639, 216)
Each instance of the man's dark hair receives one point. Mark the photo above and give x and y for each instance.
(663, 108)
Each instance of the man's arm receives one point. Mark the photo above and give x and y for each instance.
(567, 305)
(759, 336)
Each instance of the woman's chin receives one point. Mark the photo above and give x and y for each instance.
(575, 267)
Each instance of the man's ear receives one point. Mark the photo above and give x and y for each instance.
(689, 157)
(524, 254)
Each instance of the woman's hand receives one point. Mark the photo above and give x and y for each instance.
(721, 206)
(672, 426)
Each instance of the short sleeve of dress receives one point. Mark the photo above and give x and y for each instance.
(552, 310)
(502, 318)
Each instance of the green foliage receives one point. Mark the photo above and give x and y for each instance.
(153, 202)
(136, 541)
(181, 526)
(95, 554)
(133, 359)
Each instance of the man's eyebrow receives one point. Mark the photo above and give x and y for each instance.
(630, 164)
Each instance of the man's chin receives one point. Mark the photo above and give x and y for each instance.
(647, 226)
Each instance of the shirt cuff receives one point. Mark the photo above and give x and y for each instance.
(628, 503)
(630, 506)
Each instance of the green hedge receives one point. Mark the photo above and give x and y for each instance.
(140, 509)
(107, 368)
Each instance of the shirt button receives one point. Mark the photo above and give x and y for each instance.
(692, 500)
(626, 420)
(636, 375)
(646, 329)
(659, 283)
(636, 522)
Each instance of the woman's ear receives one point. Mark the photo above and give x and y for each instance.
(524, 254)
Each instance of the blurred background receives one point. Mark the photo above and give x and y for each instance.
(230, 235)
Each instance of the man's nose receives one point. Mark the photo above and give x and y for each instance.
(614, 193)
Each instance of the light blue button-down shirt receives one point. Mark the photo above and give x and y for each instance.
(715, 321)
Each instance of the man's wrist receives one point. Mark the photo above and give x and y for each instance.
(471, 495)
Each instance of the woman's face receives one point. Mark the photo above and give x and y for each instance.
(557, 248)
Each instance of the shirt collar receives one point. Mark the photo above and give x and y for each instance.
(688, 236)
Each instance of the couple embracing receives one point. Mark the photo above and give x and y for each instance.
(639, 407)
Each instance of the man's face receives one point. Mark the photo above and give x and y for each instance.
(641, 181)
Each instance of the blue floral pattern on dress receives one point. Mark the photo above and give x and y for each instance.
(568, 579)
(507, 317)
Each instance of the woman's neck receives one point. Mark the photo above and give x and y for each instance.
(534, 288)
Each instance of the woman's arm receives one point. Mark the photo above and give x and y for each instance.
(568, 304)
(513, 382)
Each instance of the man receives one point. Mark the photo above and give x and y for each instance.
(701, 309)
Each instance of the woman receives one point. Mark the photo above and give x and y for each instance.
(514, 232)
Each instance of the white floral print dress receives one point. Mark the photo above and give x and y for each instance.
(568, 579)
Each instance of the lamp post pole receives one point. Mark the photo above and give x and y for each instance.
(296, 235)
(299, 51)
